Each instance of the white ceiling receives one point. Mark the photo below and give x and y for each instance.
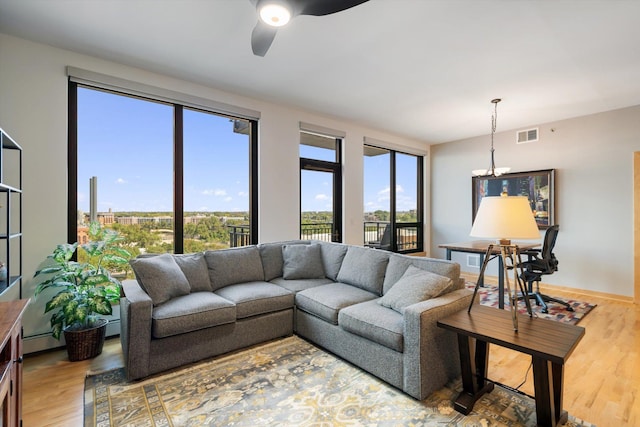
(425, 69)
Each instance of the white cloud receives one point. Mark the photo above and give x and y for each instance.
(322, 197)
(228, 199)
(217, 192)
(121, 181)
(243, 194)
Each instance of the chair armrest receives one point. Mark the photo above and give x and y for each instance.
(136, 309)
(431, 353)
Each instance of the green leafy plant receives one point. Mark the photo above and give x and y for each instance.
(86, 288)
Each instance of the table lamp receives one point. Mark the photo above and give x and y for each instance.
(505, 218)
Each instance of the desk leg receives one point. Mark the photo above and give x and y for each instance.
(548, 383)
(481, 281)
(474, 360)
(449, 254)
(500, 283)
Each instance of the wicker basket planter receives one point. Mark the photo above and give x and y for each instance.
(87, 343)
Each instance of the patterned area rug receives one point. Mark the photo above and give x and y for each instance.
(288, 382)
(489, 296)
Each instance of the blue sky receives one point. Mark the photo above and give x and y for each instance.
(128, 144)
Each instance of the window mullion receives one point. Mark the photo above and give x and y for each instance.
(178, 179)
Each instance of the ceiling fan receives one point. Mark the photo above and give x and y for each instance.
(277, 13)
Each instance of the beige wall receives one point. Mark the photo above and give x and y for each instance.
(593, 158)
(33, 110)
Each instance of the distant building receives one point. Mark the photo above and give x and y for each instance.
(106, 218)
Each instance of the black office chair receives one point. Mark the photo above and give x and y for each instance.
(541, 262)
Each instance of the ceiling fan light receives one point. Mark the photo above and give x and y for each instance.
(275, 14)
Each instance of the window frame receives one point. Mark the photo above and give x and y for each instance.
(178, 163)
(330, 167)
(395, 226)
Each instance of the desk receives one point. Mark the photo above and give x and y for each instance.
(550, 343)
(480, 247)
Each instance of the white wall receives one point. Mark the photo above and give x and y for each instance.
(33, 110)
(593, 159)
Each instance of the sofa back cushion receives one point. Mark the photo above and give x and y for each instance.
(195, 269)
(236, 265)
(398, 265)
(160, 277)
(332, 257)
(271, 254)
(302, 262)
(364, 268)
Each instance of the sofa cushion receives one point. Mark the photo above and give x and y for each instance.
(231, 266)
(298, 285)
(374, 322)
(327, 300)
(414, 286)
(332, 257)
(160, 277)
(255, 298)
(399, 263)
(195, 270)
(302, 262)
(187, 313)
(271, 255)
(364, 268)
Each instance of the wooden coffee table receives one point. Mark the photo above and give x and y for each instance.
(549, 343)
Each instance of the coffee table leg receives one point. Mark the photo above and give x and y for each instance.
(474, 359)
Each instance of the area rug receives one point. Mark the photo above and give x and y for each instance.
(288, 382)
(489, 296)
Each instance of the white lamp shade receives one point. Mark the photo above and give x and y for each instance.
(505, 217)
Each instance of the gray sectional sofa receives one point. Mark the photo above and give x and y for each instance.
(376, 309)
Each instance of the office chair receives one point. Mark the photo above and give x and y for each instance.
(541, 262)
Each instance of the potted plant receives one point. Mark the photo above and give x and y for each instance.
(86, 290)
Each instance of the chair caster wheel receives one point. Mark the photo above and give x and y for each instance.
(545, 311)
(569, 308)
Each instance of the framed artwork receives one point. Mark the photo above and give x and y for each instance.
(537, 186)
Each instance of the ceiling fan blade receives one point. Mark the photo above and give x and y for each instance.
(324, 7)
(261, 38)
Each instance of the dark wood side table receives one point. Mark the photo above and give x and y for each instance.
(549, 343)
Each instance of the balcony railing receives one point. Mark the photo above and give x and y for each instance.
(316, 231)
(376, 234)
(239, 235)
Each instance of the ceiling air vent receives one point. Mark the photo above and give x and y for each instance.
(528, 135)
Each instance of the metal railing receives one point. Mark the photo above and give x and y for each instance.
(316, 231)
(239, 235)
(408, 235)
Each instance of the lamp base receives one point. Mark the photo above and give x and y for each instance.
(510, 257)
(504, 242)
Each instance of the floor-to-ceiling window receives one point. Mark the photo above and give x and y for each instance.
(171, 178)
(393, 201)
(320, 186)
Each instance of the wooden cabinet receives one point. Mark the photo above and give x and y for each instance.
(11, 362)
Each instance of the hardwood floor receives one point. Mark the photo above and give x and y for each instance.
(602, 376)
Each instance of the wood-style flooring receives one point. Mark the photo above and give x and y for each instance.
(602, 376)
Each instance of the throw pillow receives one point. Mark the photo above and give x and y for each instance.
(302, 262)
(414, 286)
(195, 270)
(160, 277)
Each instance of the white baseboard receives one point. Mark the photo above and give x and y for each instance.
(43, 342)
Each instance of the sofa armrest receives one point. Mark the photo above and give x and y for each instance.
(136, 309)
(431, 353)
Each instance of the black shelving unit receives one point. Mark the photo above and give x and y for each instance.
(10, 215)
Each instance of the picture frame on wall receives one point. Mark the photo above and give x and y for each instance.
(537, 186)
